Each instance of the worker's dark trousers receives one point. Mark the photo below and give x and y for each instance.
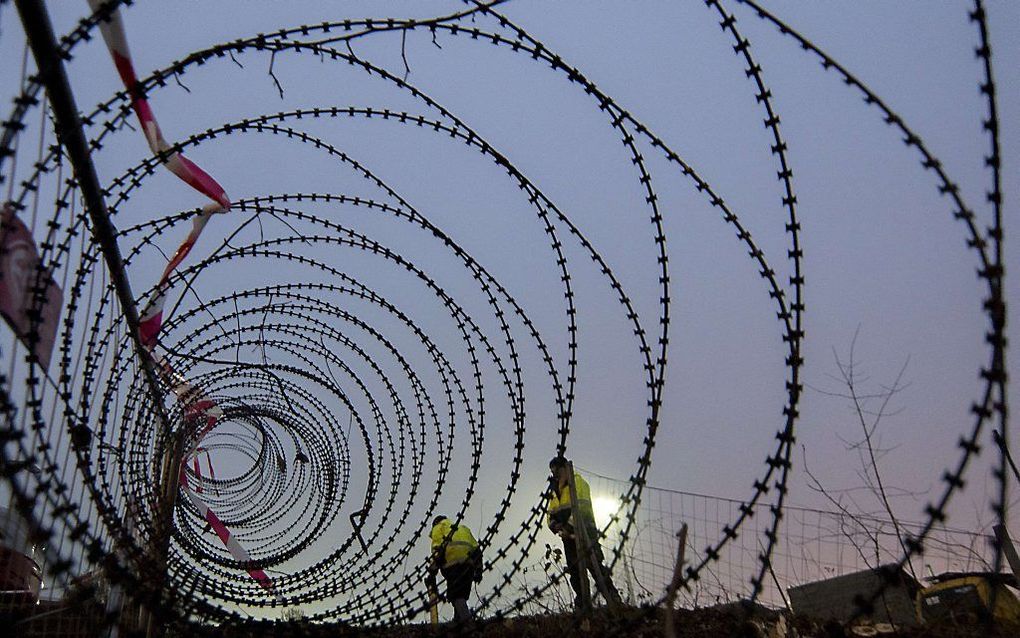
(458, 588)
(596, 565)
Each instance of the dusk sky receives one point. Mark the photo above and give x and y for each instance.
(883, 257)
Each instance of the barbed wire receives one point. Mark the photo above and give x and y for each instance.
(298, 366)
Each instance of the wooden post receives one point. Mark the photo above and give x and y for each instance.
(579, 542)
(1008, 549)
(674, 584)
(170, 483)
(627, 570)
(587, 547)
(431, 586)
(600, 580)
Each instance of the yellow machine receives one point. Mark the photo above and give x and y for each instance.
(967, 598)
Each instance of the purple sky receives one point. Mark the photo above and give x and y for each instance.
(883, 254)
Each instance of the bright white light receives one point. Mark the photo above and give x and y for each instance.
(604, 508)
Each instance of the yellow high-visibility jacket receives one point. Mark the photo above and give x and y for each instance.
(559, 504)
(459, 545)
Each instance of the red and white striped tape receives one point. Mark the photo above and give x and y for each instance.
(235, 549)
(191, 173)
(204, 413)
(116, 41)
(151, 319)
(200, 410)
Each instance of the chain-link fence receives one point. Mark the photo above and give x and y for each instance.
(814, 545)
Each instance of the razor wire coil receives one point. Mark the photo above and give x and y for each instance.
(116, 466)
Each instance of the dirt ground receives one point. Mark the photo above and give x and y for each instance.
(632, 622)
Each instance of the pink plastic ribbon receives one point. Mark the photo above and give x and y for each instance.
(199, 409)
(116, 41)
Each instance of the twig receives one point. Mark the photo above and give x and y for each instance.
(817, 486)
(288, 225)
(276, 80)
(403, 53)
(237, 315)
(177, 79)
(869, 432)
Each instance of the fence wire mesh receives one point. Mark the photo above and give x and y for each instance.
(814, 545)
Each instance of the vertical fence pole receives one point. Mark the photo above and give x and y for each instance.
(579, 542)
(67, 124)
(1006, 543)
(172, 468)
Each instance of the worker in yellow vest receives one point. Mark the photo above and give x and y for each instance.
(456, 554)
(561, 522)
